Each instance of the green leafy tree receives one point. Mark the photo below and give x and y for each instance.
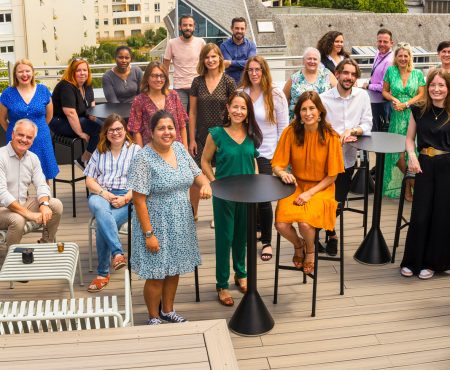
(387, 6)
(136, 41)
(3, 84)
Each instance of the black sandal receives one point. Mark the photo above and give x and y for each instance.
(266, 256)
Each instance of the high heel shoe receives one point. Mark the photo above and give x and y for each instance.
(296, 259)
(226, 298)
(241, 283)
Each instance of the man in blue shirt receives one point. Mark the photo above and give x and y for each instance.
(237, 49)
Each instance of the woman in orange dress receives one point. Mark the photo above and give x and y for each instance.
(313, 150)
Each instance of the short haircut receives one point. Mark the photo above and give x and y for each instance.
(185, 16)
(23, 121)
(443, 45)
(122, 47)
(310, 50)
(384, 31)
(238, 19)
(16, 65)
(201, 69)
(352, 62)
(158, 116)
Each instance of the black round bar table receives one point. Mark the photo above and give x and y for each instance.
(373, 249)
(104, 110)
(251, 316)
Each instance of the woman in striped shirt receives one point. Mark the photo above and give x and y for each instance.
(106, 179)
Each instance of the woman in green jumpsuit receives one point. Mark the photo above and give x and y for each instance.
(233, 146)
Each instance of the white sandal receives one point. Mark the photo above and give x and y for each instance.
(426, 274)
(406, 272)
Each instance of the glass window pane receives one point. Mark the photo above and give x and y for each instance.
(213, 31)
(183, 9)
(200, 25)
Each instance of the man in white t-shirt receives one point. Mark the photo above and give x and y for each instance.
(184, 51)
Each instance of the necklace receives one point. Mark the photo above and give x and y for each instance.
(436, 116)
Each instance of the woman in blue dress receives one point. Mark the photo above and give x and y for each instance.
(164, 240)
(26, 99)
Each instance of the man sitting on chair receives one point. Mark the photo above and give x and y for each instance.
(19, 167)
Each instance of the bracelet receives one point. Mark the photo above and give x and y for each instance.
(407, 105)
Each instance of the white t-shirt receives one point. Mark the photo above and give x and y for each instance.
(271, 132)
(184, 56)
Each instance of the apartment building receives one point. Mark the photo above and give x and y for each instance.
(123, 18)
(47, 32)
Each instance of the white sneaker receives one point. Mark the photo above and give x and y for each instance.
(211, 225)
(405, 271)
(426, 274)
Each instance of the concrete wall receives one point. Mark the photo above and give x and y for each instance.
(425, 30)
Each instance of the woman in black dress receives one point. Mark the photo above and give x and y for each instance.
(426, 248)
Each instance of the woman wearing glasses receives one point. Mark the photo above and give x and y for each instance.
(271, 114)
(121, 83)
(155, 95)
(72, 96)
(106, 179)
(403, 86)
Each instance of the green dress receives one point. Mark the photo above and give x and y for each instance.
(393, 177)
(230, 218)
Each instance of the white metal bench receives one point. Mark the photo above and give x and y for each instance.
(48, 264)
(92, 226)
(66, 314)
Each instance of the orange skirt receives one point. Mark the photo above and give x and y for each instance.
(319, 212)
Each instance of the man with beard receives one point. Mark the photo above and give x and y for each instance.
(183, 51)
(237, 49)
(383, 59)
(19, 168)
(350, 115)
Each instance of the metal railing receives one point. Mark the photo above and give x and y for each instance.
(52, 73)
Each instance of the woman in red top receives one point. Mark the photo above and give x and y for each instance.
(155, 95)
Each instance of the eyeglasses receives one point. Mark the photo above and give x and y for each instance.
(157, 76)
(254, 70)
(403, 45)
(78, 59)
(117, 130)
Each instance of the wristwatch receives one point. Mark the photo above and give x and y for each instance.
(149, 234)
(44, 203)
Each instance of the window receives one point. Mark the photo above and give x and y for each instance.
(106, 33)
(135, 32)
(105, 21)
(134, 20)
(133, 7)
(157, 8)
(157, 19)
(44, 46)
(265, 26)
(97, 23)
(5, 17)
(96, 9)
(10, 49)
(146, 6)
(119, 21)
(147, 19)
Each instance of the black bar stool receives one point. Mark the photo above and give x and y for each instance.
(197, 288)
(69, 142)
(402, 222)
(317, 258)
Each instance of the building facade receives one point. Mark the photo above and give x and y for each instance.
(47, 32)
(118, 19)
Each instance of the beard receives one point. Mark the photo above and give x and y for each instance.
(187, 34)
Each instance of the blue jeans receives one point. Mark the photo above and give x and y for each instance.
(108, 219)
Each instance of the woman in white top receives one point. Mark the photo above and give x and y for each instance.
(272, 115)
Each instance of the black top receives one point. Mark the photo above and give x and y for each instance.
(328, 64)
(381, 142)
(251, 188)
(69, 96)
(431, 131)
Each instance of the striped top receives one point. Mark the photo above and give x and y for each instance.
(110, 172)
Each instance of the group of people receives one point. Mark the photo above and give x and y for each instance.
(225, 117)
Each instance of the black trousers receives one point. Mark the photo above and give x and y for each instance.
(427, 242)
(265, 212)
(381, 113)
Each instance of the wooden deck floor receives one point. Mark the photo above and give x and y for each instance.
(383, 321)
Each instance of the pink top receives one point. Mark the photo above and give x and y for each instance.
(143, 108)
(184, 56)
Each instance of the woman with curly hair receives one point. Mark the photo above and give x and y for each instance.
(331, 47)
(313, 149)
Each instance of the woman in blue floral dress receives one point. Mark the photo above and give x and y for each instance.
(164, 240)
(26, 99)
(312, 77)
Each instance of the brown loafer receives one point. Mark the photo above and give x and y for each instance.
(241, 283)
(226, 298)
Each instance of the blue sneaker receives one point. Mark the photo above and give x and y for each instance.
(172, 317)
(154, 321)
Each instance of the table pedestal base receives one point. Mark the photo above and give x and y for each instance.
(373, 250)
(252, 317)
